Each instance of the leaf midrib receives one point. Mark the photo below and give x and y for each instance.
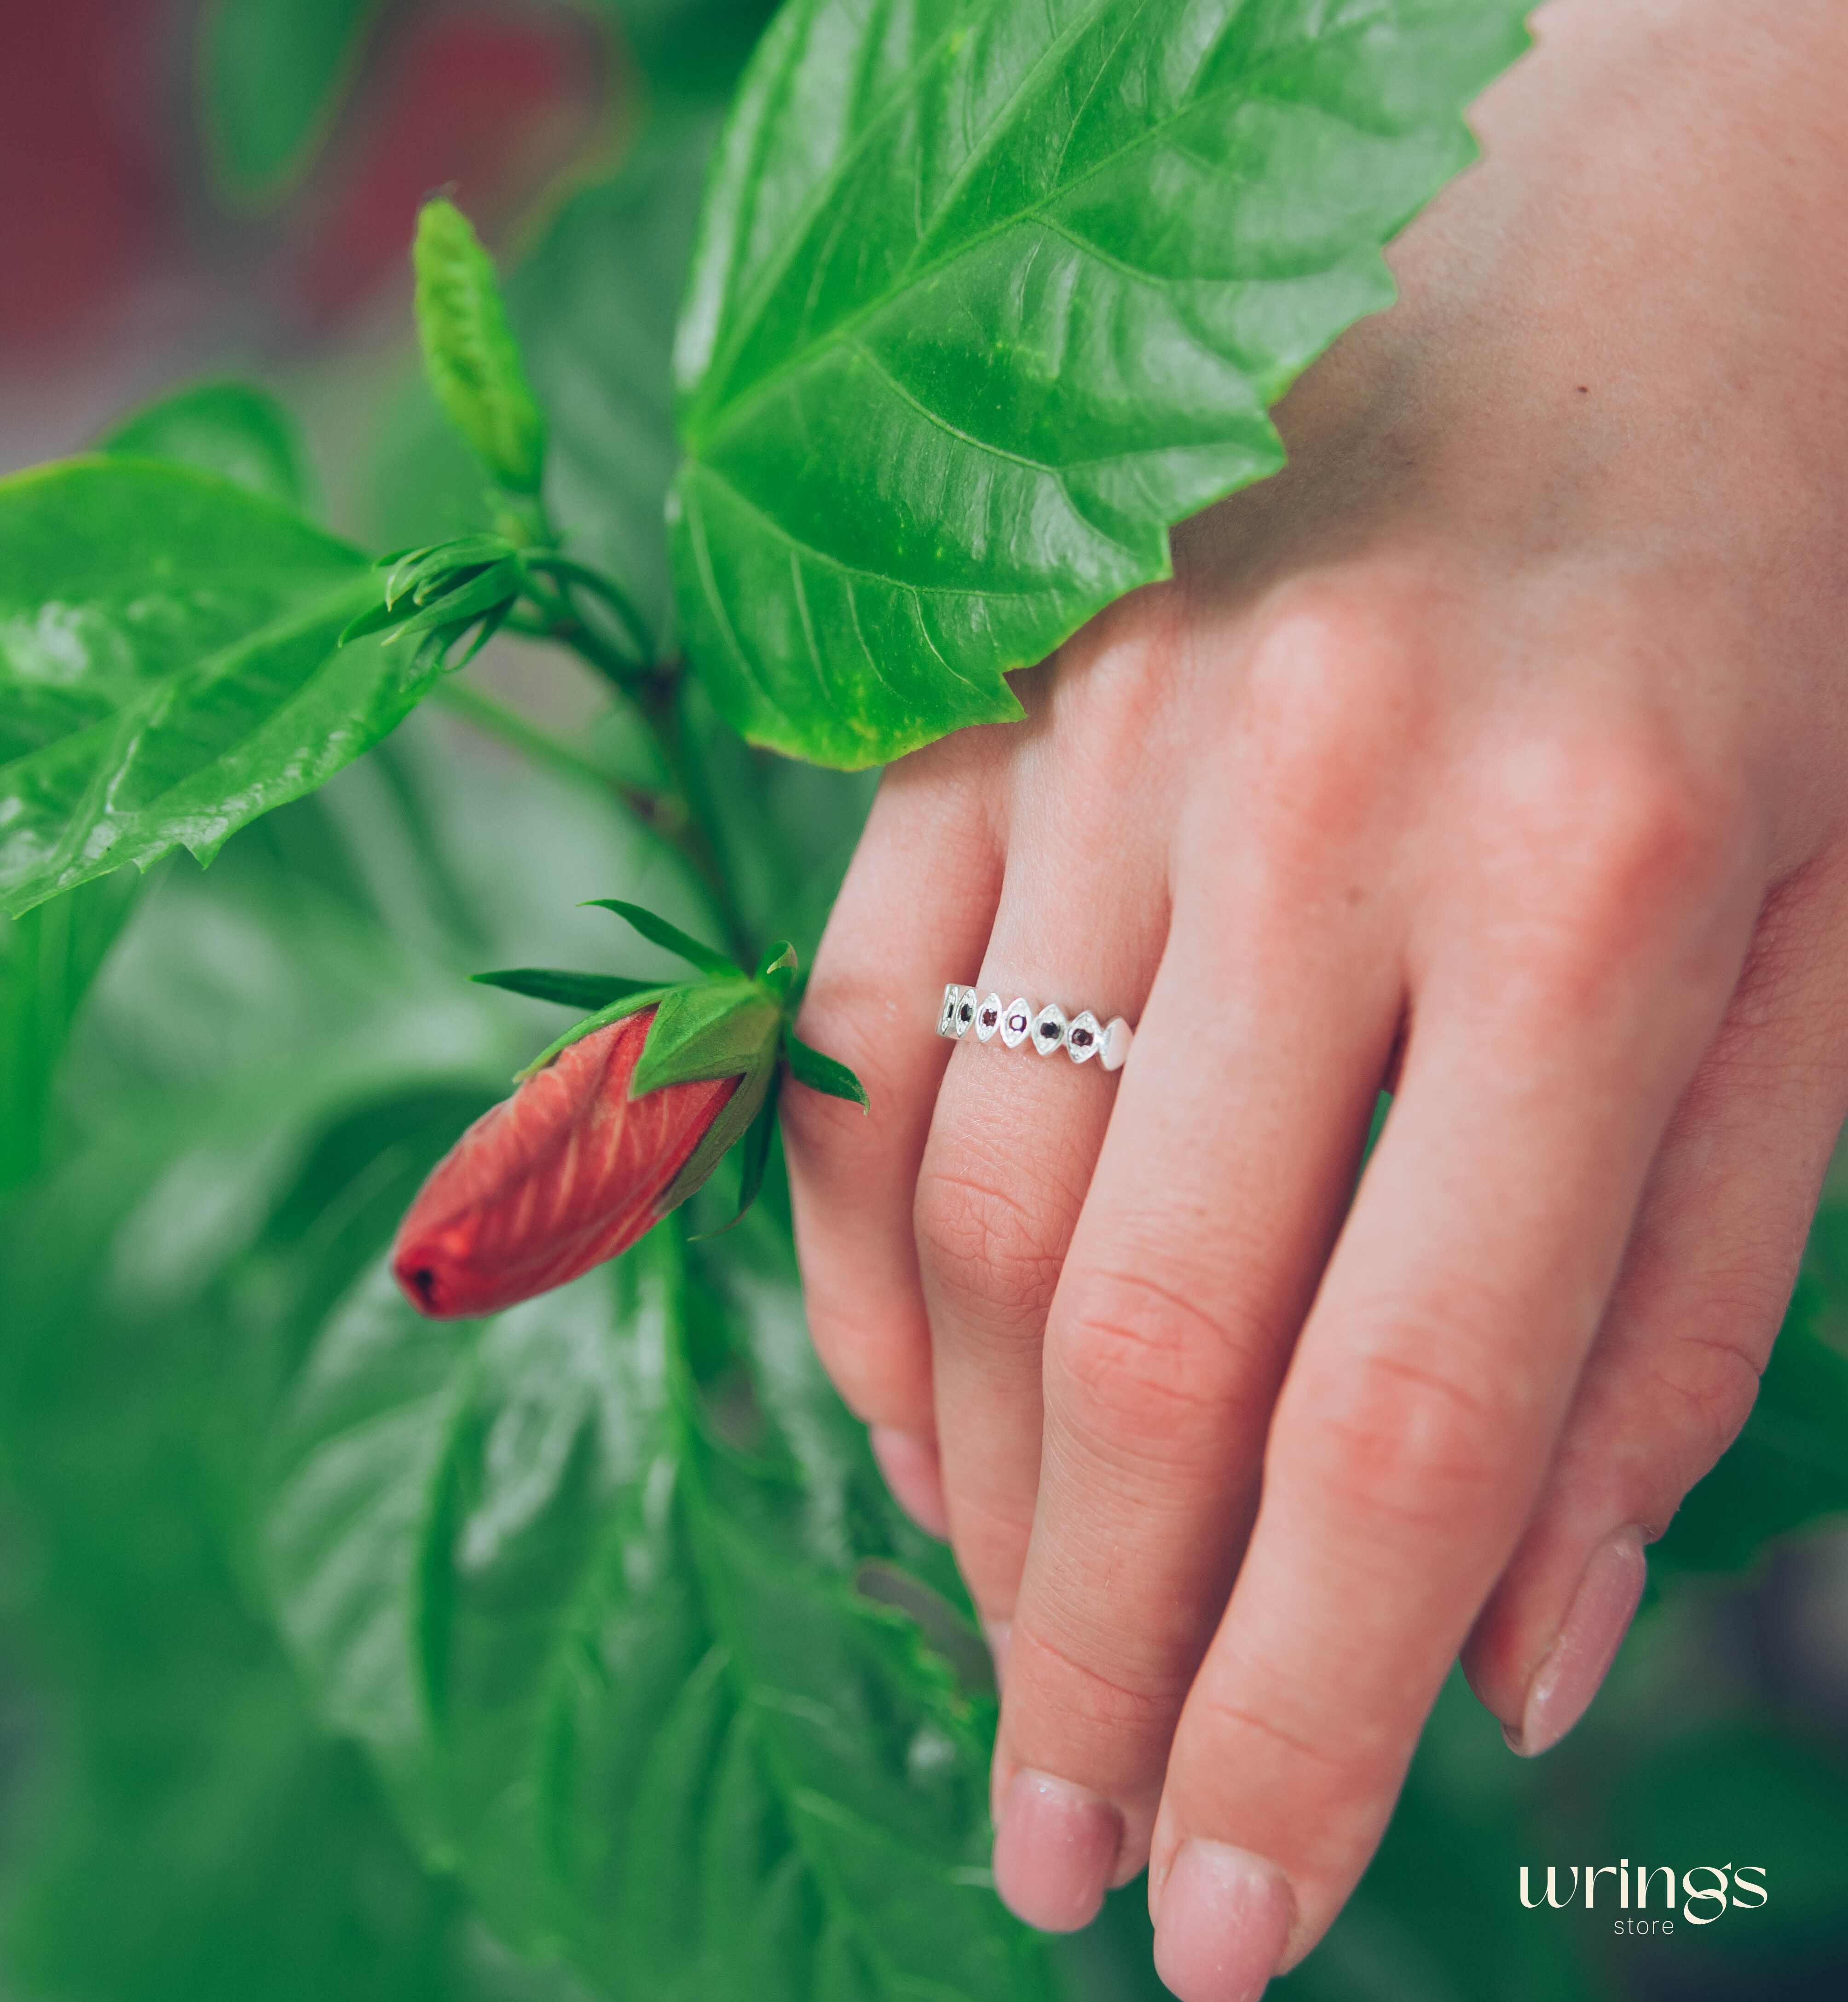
(791, 1794)
(731, 410)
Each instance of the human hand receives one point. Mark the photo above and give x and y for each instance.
(1497, 747)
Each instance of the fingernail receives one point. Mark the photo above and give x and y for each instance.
(1579, 1659)
(913, 1473)
(1055, 1851)
(999, 1632)
(1224, 1921)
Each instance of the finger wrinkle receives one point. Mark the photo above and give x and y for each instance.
(1107, 1701)
(982, 1243)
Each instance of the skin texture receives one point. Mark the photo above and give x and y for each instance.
(1497, 749)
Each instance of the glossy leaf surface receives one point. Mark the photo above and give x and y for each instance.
(584, 1580)
(168, 667)
(988, 296)
(233, 429)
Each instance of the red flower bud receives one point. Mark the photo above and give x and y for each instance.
(568, 1172)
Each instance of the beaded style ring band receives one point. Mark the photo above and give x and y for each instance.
(1048, 1029)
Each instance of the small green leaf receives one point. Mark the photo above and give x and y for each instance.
(718, 1028)
(657, 931)
(272, 73)
(469, 352)
(232, 429)
(169, 667)
(808, 1065)
(986, 297)
(570, 990)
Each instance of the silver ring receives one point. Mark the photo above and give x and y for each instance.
(1047, 1030)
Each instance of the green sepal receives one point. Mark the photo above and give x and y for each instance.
(754, 1159)
(375, 620)
(735, 1119)
(630, 1004)
(469, 352)
(568, 989)
(415, 571)
(439, 643)
(657, 931)
(808, 1065)
(777, 968)
(708, 1029)
(473, 598)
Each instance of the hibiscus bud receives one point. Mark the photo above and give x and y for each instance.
(568, 1172)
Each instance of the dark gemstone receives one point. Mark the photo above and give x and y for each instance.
(1082, 1037)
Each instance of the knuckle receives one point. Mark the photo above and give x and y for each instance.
(1613, 839)
(1411, 1445)
(1331, 716)
(1141, 1364)
(984, 1235)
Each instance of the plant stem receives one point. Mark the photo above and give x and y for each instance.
(682, 814)
(655, 810)
(657, 699)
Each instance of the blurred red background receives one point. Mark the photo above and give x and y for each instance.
(124, 264)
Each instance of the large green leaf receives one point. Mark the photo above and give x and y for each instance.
(584, 1577)
(272, 73)
(987, 296)
(232, 429)
(168, 667)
